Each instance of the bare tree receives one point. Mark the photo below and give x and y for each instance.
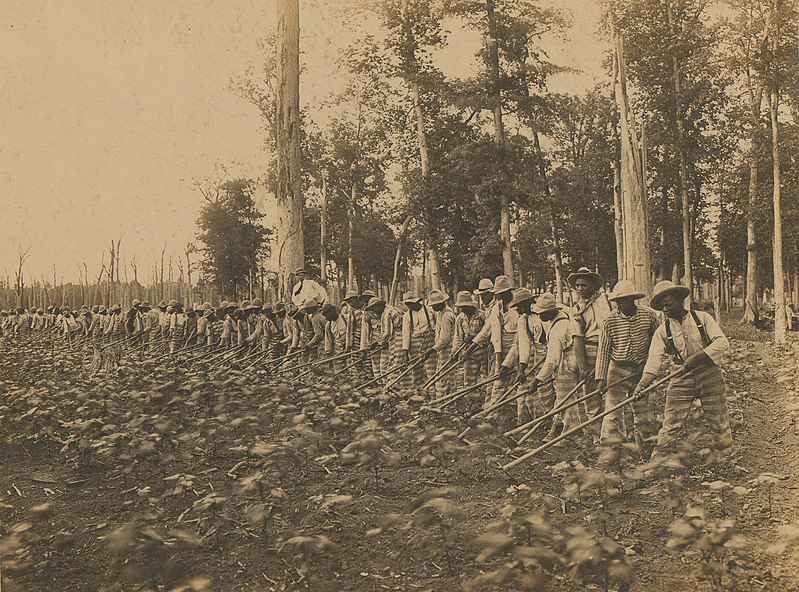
(22, 256)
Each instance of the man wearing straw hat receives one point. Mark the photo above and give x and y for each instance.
(485, 295)
(589, 313)
(444, 320)
(623, 350)
(468, 323)
(418, 332)
(352, 315)
(500, 332)
(527, 333)
(305, 289)
(558, 361)
(372, 336)
(695, 341)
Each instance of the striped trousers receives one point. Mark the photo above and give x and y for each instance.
(592, 406)
(612, 434)
(566, 379)
(707, 385)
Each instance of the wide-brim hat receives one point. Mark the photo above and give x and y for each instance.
(546, 302)
(162, 304)
(484, 286)
(587, 274)
(351, 295)
(665, 288)
(624, 289)
(520, 296)
(255, 305)
(373, 302)
(368, 294)
(309, 304)
(502, 284)
(437, 297)
(464, 299)
(410, 298)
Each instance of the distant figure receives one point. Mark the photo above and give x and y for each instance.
(307, 289)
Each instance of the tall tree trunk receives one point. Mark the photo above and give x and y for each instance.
(680, 141)
(421, 134)
(780, 325)
(351, 284)
(392, 295)
(637, 263)
(557, 260)
(290, 202)
(618, 224)
(750, 301)
(323, 234)
(499, 134)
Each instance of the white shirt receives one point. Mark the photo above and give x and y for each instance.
(687, 340)
(306, 289)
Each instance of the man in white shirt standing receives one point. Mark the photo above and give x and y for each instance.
(305, 289)
(695, 341)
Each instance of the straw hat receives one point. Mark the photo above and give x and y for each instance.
(520, 296)
(351, 295)
(309, 304)
(256, 304)
(485, 286)
(625, 289)
(437, 297)
(410, 298)
(545, 303)
(464, 299)
(585, 273)
(162, 304)
(373, 302)
(368, 294)
(502, 284)
(173, 303)
(136, 302)
(666, 288)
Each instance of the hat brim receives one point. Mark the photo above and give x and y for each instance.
(538, 310)
(502, 291)
(657, 299)
(515, 303)
(594, 277)
(634, 295)
(412, 301)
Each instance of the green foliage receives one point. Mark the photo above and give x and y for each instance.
(235, 241)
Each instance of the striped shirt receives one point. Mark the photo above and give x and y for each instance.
(625, 339)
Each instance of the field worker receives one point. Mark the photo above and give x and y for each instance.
(178, 324)
(589, 313)
(623, 349)
(23, 323)
(528, 332)
(469, 320)
(335, 334)
(229, 337)
(204, 324)
(242, 326)
(352, 315)
(558, 362)
(500, 333)
(444, 321)
(372, 337)
(485, 294)
(693, 340)
(262, 327)
(418, 333)
(305, 289)
(312, 329)
(164, 320)
(365, 297)
(152, 327)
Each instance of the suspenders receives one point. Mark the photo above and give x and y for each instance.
(671, 346)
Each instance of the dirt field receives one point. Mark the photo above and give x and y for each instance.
(159, 480)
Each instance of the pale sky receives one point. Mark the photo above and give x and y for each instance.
(109, 109)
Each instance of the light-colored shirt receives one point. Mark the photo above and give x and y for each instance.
(559, 341)
(444, 330)
(687, 341)
(499, 323)
(307, 289)
(589, 316)
(466, 326)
